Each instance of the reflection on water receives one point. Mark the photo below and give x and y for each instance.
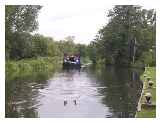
(111, 92)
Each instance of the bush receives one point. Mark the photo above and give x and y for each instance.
(27, 67)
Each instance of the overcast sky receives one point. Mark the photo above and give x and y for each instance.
(82, 20)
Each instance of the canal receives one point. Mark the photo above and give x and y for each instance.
(108, 93)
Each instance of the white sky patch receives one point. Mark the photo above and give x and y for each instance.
(81, 22)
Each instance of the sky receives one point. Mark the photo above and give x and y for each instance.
(79, 19)
(81, 22)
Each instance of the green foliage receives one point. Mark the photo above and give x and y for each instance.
(145, 113)
(39, 44)
(147, 59)
(19, 21)
(114, 42)
(28, 67)
(92, 52)
(67, 46)
(21, 18)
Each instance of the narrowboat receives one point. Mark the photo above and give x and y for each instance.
(71, 61)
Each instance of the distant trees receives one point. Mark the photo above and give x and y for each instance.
(67, 45)
(127, 23)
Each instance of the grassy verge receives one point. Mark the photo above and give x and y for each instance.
(148, 112)
(30, 67)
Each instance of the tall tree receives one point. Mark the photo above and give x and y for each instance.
(19, 19)
(127, 23)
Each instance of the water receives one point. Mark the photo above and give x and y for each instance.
(110, 92)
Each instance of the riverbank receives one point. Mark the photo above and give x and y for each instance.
(26, 67)
(147, 111)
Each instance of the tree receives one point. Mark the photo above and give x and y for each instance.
(19, 20)
(126, 23)
(21, 47)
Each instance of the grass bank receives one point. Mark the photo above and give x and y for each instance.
(27, 67)
(148, 112)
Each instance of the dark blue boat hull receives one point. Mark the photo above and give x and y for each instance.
(70, 65)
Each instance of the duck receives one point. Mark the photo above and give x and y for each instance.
(75, 102)
(65, 102)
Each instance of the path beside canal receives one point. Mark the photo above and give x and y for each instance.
(143, 111)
